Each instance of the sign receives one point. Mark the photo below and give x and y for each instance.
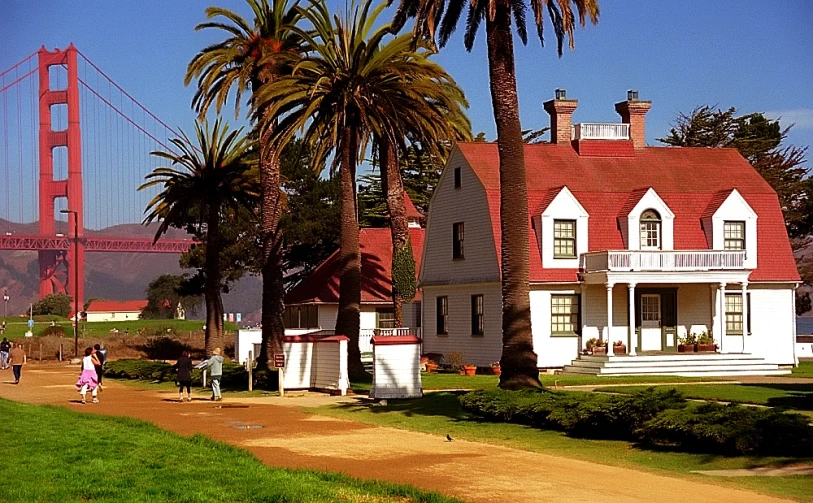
(239, 317)
(30, 324)
(279, 360)
(29, 334)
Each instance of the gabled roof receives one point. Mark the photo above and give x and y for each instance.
(116, 306)
(632, 201)
(687, 179)
(322, 285)
(411, 211)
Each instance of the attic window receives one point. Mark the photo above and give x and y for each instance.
(734, 235)
(650, 230)
(457, 178)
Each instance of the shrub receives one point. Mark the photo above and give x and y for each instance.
(55, 330)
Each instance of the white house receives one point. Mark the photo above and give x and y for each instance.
(628, 243)
(313, 304)
(115, 310)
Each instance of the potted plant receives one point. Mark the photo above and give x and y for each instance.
(495, 368)
(596, 347)
(454, 361)
(705, 342)
(469, 369)
(431, 366)
(619, 348)
(686, 343)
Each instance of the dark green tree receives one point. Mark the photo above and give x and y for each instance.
(164, 293)
(58, 304)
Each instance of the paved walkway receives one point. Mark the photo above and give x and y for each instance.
(284, 436)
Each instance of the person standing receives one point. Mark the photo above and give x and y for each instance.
(5, 347)
(87, 379)
(215, 364)
(184, 369)
(101, 357)
(17, 359)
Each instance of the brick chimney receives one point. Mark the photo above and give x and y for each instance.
(561, 111)
(633, 112)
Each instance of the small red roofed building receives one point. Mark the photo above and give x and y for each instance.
(114, 310)
(313, 304)
(631, 244)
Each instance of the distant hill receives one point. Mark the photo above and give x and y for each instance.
(111, 276)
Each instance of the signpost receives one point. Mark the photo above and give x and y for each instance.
(279, 363)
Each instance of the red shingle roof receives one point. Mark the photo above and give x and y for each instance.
(116, 306)
(322, 286)
(411, 211)
(689, 180)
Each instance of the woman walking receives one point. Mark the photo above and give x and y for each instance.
(184, 369)
(88, 379)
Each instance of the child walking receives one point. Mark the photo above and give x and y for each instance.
(88, 379)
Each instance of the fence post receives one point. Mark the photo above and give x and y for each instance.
(60, 351)
(250, 363)
(40, 351)
(204, 378)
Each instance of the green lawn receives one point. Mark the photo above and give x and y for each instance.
(113, 459)
(16, 326)
(440, 413)
(805, 369)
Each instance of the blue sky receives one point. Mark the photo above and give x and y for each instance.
(746, 54)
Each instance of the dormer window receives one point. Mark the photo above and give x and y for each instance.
(650, 230)
(734, 235)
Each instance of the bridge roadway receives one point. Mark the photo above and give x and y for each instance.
(94, 244)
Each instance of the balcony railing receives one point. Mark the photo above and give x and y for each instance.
(598, 131)
(678, 260)
(366, 335)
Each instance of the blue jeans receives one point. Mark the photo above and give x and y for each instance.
(4, 359)
(216, 386)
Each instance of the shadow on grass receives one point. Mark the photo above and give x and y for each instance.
(439, 404)
(799, 396)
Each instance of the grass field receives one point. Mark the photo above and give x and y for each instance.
(440, 413)
(112, 459)
(16, 326)
(804, 370)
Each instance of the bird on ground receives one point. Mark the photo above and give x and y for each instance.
(449, 438)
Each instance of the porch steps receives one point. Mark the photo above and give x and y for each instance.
(692, 365)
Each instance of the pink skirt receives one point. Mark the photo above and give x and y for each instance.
(88, 377)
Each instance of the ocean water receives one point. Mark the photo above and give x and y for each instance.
(804, 325)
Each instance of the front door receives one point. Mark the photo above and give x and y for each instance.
(651, 322)
(669, 320)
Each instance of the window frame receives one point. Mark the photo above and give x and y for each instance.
(442, 315)
(477, 315)
(379, 311)
(572, 239)
(726, 239)
(644, 233)
(578, 321)
(458, 241)
(732, 313)
(458, 178)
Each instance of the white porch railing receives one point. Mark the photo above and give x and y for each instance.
(600, 131)
(366, 335)
(678, 260)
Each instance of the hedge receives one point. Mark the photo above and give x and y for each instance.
(651, 418)
(234, 375)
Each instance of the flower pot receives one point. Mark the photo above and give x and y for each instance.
(705, 347)
(685, 348)
(469, 370)
(496, 370)
(599, 350)
(431, 367)
(620, 350)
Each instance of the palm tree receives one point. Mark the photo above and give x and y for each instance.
(352, 88)
(249, 56)
(518, 362)
(203, 182)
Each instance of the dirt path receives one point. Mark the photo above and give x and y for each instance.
(283, 436)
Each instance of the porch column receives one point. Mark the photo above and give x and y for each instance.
(722, 314)
(714, 330)
(633, 340)
(609, 318)
(745, 332)
(583, 315)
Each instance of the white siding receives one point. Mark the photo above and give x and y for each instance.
(327, 316)
(113, 316)
(321, 365)
(772, 331)
(411, 316)
(694, 309)
(480, 350)
(396, 371)
(449, 205)
(551, 351)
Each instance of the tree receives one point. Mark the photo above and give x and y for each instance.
(206, 181)
(164, 293)
(438, 19)
(759, 140)
(253, 54)
(354, 86)
(58, 304)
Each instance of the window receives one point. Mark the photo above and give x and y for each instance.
(734, 235)
(442, 313)
(564, 315)
(564, 239)
(301, 317)
(650, 230)
(385, 318)
(733, 314)
(477, 315)
(651, 309)
(457, 236)
(457, 178)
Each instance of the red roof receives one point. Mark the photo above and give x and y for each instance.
(689, 180)
(322, 285)
(412, 212)
(116, 306)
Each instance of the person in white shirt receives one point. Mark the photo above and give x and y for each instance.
(88, 379)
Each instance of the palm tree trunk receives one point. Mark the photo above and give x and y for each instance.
(518, 362)
(393, 189)
(273, 307)
(347, 321)
(214, 337)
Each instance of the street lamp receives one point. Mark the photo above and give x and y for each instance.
(75, 279)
